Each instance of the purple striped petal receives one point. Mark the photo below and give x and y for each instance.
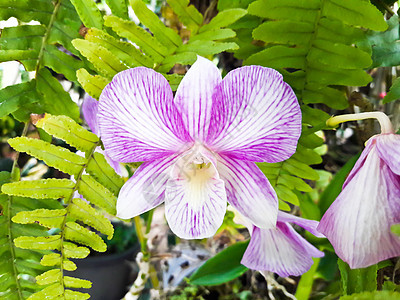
(280, 250)
(90, 108)
(358, 223)
(255, 116)
(138, 119)
(145, 189)
(249, 191)
(388, 146)
(195, 201)
(309, 225)
(194, 96)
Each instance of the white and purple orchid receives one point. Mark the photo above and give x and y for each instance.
(200, 146)
(358, 223)
(281, 250)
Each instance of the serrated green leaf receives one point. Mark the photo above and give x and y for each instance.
(185, 58)
(69, 265)
(89, 13)
(394, 92)
(57, 157)
(45, 217)
(103, 60)
(68, 130)
(49, 277)
(169, 38)
(104, 173)
(221, 268)
(214, 34)
(293, 183)
(173, 80)
(97, 194)
(41, 189)
(52, 259)
(72, 282)
(119, 8)
(305, 284)
(74, 295)
(55, 100)
(39, 243)
(126, 52)
(205, 48)
(73, 251)
(187, 14)
(300, 169)
(15, 96)
(92, 84)
(147, 43)
(224, 19)
(53, 292)
(77, 233)
(285, 194)
(82, 211)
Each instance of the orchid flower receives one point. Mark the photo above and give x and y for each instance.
(200, 146)
(358, 222)
(281, 250)
(90, 108)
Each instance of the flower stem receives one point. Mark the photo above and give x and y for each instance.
(386, 125)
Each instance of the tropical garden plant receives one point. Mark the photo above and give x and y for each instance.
(228, 112)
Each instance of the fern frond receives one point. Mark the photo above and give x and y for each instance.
(160, 47)
(72, 239)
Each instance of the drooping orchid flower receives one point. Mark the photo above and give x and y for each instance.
(200, 146)
(281, 250)
(358, 223)
(90, 108)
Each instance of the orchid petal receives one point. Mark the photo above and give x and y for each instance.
(145, 189)
(90, 108)
(281, 250)
(195, 201)
(255, 116)
(194, 96)
(138, 119)
(388, 146)
(249, 191)
(309, 225)
(358, 223)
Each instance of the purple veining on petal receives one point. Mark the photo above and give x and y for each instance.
(138, 119)
(255, 116)
(249, 191)
(194, 96)
(358, 223)
(281, 250)
(90, 108)
(309, 225)
(145, 189)
(388, 146)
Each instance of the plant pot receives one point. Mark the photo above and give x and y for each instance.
(109, 274)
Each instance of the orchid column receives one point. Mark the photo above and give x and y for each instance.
(358, 222)
(200, 146)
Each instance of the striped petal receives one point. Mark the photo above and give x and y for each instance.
(280, 250)
(90, 108)
(249, 191)
(195, 198)
(255, 116)
(145, 189)
(309, 225)
(138, 119)
(388, 146)
(358, 223)
(194, 96)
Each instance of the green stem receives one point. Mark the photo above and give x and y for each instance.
(384, 121)
(14, 177)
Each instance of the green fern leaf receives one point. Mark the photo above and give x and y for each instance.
(224, 19)
(93, 85)
(89, 13)
(49, 277)
(185, 58)
(57, 157)
(97, 194)
(394, 92)
(119, 8)
(167, 37)
(76, 282)
(205, 48)
(45, 217)
(41, 189)
(39, 243)
(104, 173)
(53, 291)
(81, 210)
(73, 251)
(187, 14)
(82, 235)
(68, 130)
